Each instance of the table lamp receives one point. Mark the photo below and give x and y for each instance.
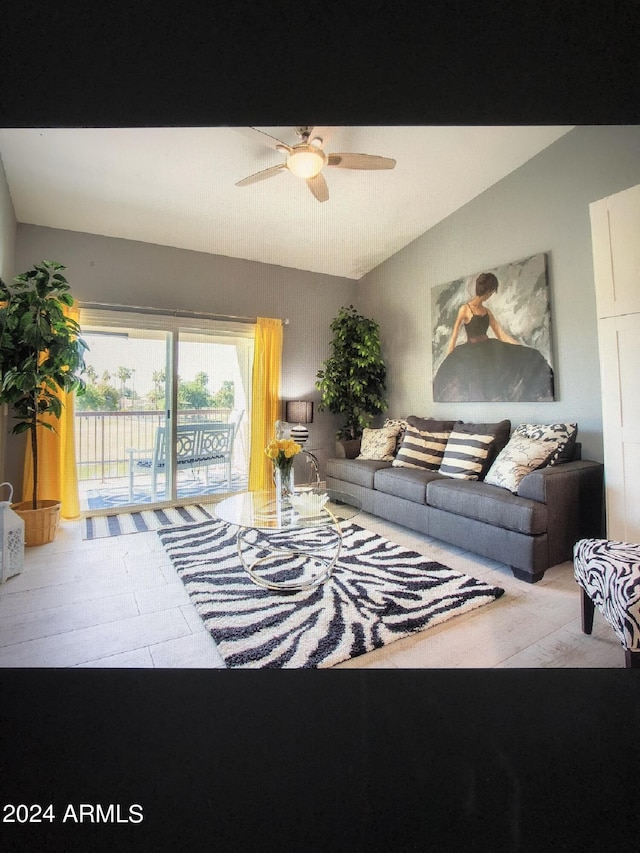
(299, 412)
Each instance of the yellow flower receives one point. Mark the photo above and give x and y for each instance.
(282, 450)
(271, 450)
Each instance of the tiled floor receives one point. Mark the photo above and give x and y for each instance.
(119, 603)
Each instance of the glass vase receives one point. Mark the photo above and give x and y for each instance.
(283, 478)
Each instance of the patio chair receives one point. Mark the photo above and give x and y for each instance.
(201, 445)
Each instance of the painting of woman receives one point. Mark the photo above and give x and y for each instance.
(489, 363)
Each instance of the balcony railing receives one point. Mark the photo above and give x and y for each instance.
(103, 438)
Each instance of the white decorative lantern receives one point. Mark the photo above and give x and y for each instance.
(11, 539)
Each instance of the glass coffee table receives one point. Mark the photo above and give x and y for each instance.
(289, 545)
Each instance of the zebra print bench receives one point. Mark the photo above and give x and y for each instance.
(608, 573)
(197, 446)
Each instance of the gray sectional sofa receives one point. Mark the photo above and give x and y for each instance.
(530, 531)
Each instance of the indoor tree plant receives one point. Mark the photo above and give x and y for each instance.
(41, 355)
(352, 380)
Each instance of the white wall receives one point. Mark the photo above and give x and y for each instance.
(541, 207)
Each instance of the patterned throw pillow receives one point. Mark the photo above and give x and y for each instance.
(560, 438)
(520, 457)
(379, 444)
(400, 424)
(467, 451)
(421, 449)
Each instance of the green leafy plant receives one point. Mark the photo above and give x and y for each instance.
(352, 380)
(41, 350)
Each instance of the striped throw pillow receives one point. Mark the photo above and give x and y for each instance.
(421, 449)
(465, 454)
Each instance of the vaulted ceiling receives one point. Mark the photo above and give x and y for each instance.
(175, 186)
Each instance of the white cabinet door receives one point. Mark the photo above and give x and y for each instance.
(615, 228)
(619, 340)
(624, 231)
(601, 248)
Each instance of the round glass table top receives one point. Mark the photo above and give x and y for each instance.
(307, 508)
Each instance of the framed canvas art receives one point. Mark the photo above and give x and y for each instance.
(491, 335)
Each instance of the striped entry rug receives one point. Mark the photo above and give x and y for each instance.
(101, 526)
(378, 593)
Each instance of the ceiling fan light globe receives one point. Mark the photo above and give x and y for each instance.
(306, 161)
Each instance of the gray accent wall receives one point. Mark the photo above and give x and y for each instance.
(541, 207)
(115, 271)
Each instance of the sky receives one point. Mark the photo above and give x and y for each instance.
(145, 356)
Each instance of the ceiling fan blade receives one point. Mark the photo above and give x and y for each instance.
(261, 176)
(321, 132)
(318, 187)
(360, 161)
(269, 140)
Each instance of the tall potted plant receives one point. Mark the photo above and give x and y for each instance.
(41, 354)
(352, 380)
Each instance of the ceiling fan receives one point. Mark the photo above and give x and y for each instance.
(307, 159)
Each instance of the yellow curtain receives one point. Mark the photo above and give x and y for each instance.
(265, 398)
(57, 474)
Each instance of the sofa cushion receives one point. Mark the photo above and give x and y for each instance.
(560, 437)
(357, 471)
(521, 456)
(421, 449)
(488, 504)
(378, 444)
(408, 483)
(472, 447)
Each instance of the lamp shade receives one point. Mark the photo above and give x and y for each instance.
(299, 412)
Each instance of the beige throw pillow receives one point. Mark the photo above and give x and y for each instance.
(560, 438)
(397, 423)
(520, 457)
(378, 444)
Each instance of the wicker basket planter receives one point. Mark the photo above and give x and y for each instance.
(41, 524)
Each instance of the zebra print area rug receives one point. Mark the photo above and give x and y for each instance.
(378, 593)
(101, 526)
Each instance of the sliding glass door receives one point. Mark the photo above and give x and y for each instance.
(166, 411)
(212, 402)
(119, 415)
